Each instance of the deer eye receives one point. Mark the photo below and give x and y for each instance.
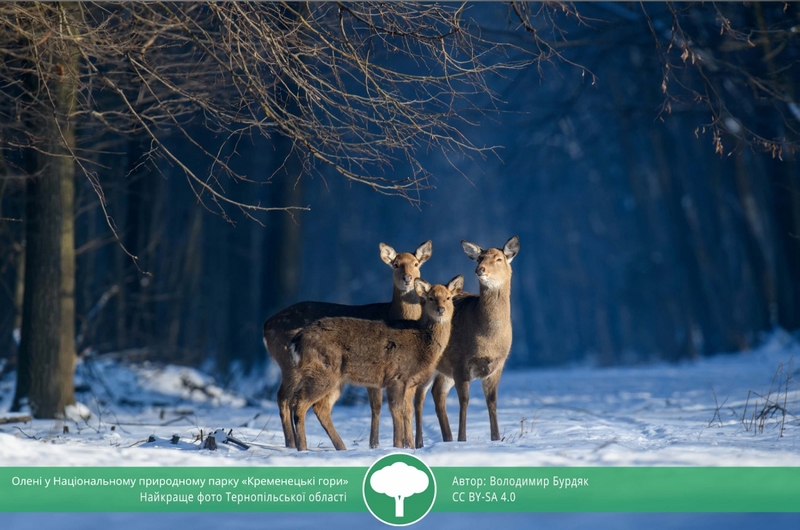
(430, 298)
(498, 260)
(396, 265)
(448, 298)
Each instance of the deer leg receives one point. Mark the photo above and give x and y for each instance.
(490, 385)
(309, 391)
(419, 401)
(441, 387)
(300, 408)
(284, 398)
(462, 387)
(322, 409)
(396, 396)
(408, 415)
(375, 396)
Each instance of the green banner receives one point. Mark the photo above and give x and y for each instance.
(619, 489)
(451, 489)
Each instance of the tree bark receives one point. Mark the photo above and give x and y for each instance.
(47, 348)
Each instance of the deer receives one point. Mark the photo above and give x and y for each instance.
(479, 344)
(397, 355)
(281, 327)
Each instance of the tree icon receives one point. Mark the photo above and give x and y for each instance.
(399, 481)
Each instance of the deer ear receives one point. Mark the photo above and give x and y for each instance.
(471, 250)
(456, 285)
(424, 252)
(421, 287)
(511, 248)
(387, 253)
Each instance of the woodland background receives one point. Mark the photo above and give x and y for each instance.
(645, 155)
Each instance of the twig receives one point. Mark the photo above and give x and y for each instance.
(717, 407)
(26, 434)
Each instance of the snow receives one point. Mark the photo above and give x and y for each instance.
(656, 415)
(77, 412)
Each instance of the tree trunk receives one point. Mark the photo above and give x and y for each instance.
(47, 349)
(284, 255)
(48, 316)
(289, 244)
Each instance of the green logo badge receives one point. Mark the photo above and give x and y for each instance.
(399, 489)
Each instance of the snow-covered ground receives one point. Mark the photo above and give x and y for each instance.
(657, 415)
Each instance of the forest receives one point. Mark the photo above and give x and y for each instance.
(172, 174)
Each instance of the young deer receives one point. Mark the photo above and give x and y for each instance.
(397, 355)
(479, 344)
(281, 327)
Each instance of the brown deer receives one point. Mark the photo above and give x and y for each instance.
(281, 327)
(479, 344)
(397, 355)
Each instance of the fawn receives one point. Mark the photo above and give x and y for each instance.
(397, 355)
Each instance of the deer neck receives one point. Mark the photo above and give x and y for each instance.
(437, 332)
(405, 305)
(495, 304)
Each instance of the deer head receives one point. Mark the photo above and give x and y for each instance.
(437, 300)
(494, 264)
(406, 265)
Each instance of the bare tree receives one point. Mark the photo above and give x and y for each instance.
(752, 59)
(360, 88)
